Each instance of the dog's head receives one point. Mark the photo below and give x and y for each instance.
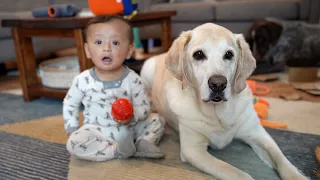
(291, 44)
(262, 35)
(212, 60)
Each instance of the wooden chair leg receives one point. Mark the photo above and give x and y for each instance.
(166, 39)
(26, 64)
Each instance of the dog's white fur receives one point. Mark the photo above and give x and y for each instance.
(179, 88)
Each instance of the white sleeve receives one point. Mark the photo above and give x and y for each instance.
(71, 105)
(140, 101)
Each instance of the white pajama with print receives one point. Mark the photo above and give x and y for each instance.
(97, 138)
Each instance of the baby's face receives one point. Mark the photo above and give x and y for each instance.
(108, 44)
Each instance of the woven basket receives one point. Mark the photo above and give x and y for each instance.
(59, 72)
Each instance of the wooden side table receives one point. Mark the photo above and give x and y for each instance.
(24, 29)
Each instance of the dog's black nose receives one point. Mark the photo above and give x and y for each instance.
(217, 83)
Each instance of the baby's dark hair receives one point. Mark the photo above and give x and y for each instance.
(106, 19)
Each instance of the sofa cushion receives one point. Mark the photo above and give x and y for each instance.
(189, 11)
(154, 31)
(256, 9)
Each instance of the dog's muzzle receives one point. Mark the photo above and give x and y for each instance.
(217, 84)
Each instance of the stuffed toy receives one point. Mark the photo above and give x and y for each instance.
(128, 8)
(261, 106)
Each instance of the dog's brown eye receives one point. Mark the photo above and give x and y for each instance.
(228, 55)
(199, 55)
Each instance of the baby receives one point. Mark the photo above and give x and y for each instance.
(109, 41)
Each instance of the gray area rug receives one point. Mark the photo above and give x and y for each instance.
(25, 158)
(13, 109)
(297, 147)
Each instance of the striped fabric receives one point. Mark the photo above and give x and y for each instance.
(25, 158)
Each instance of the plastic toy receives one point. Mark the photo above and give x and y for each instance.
(258, 89)
(122, 110)
(130, 8)
(261, 107)
(56, 10)
(108, 7)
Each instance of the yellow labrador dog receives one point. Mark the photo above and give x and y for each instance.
(199, 87)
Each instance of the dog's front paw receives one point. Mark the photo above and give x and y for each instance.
(293, 175)
(297, 176)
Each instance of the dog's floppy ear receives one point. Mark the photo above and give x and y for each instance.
(275, 30)
(175, 57)
(246, 64)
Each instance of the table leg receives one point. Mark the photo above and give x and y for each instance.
(166, 39)
(83, 61)
(26, 64)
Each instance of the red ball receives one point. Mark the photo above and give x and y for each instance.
(122, 109)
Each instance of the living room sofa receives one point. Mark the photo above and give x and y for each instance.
(236, 15)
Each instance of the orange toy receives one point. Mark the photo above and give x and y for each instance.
(261, 107)
(128, 8)
(258, 89)
(122, 110)
(105, 7)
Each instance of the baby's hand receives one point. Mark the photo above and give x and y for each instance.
(69, 134)
(71, 130)
(123, 122)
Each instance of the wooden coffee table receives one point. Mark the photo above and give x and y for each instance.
(24, 29)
